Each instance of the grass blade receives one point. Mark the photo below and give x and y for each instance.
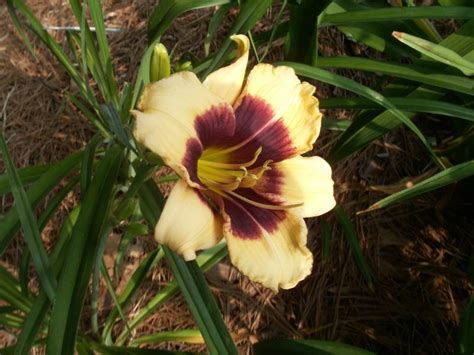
(30, 226)
(403, 104)
(367, 128)
(466, 329)
(250, 12)
(335, 124)
(115, 124)
(10, 292)
(43, 35)
(396, 14)
(74, 279)
(325, 239)
(352, 240)
(27, 175)
(340, 81)
(302, 39)
(205, 260)
(443, 178)
(315, 347)
(214, 25)
(201, 303)
(192, 284)
(100, 349)
(87, 164)
(35, 318)
(10, 224)
(370, 34)
(130, 289)
(436, 52)
(98, 20)
(167, 10)
(410, 72)
(190, 336)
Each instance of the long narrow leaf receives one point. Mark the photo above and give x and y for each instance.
(395, 14)
(339, 81)
(367, 128)
(35, 318)
(167, 10)
(11, 224)
(205, 260)
(191, 336)
(194, 287)
(75, 275)
(131, 288)
(30, 225)
(436, 52)
(410, 72)
(314, 347)
(250, 12)
(351, 237)
(10, 292)
(27, 175)
(443, 178)
(403, 104)
(39, 30)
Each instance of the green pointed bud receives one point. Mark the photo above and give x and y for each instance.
(185, 66)
(160, 63)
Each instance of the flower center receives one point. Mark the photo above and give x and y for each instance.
(218, 173)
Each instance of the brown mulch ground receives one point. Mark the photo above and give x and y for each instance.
(417, 250)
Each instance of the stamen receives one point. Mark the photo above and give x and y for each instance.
(215, 164)
(215, 186)
(264, 205)
(220, 174)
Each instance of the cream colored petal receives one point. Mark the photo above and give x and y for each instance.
(291, 101)
(164, 136)
(303, 119)
(274, 254)
(187, 223)
(227, 82)
(168, 111)
(304, 180)
(277, 86)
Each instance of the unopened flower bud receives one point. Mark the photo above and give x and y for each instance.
(160, 63)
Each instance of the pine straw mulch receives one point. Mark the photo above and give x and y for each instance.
(417, 250)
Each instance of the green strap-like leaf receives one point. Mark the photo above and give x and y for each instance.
(10, 292)
(436, 52)
(443, 178)
(403, 104)
(411, 72)
(206, 259)
(250, 12)
(27, 175)
(35, 318)
(49, 180)
(345, 83)
(301, 42)
(167, 10)
(191, 282)
(307, 347)
(466, 330)
(395, 14)
(30, 225)
(353, 241)
(43, 35)
(367, 128)
(192, 336)
(75, 276)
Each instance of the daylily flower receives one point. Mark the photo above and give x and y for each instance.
(238, 151)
